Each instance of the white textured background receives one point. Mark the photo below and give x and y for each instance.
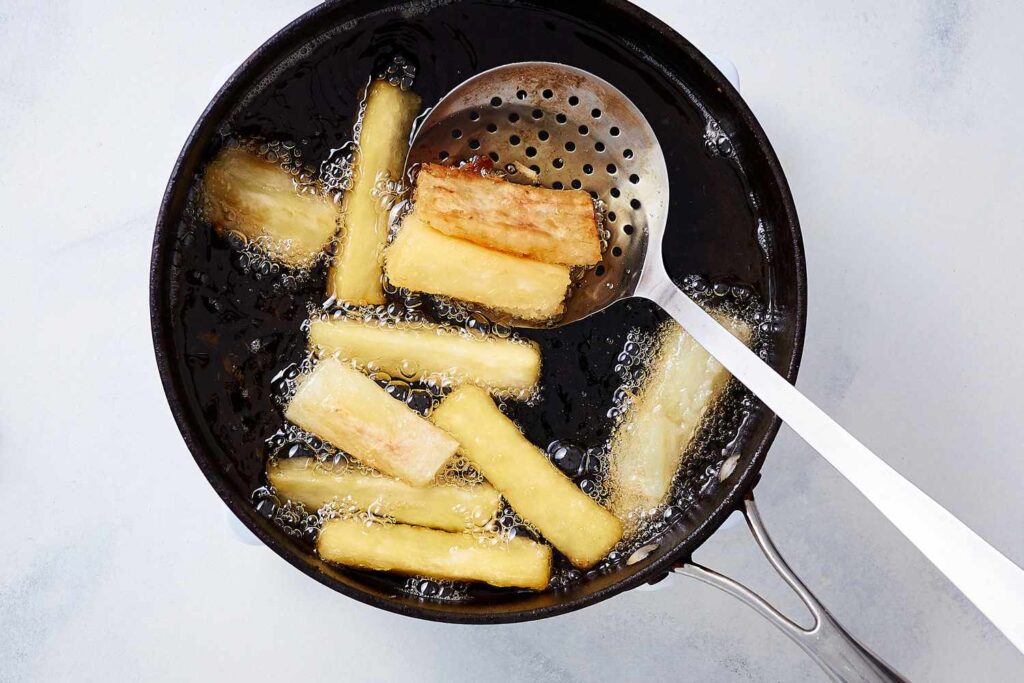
(899, 127)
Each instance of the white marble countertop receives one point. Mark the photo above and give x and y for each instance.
(897, 126)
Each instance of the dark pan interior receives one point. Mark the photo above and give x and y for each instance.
(221, 334)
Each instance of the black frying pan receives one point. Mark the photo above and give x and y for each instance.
(222, 331)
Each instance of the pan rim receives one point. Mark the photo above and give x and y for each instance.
(163, 339)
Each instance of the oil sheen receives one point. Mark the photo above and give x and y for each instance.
(242, 319)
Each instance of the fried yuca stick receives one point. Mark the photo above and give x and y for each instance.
(428, 351)
(258, 198)
(426, 260)
(446, 506)
(516, 562)
(555, 226)
(355, 274)
(547, 499)
(349, 410)
(651, 440)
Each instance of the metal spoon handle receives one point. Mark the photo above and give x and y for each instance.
(991, 581)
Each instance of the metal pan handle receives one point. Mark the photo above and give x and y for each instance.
(983, 574)
(837, 652)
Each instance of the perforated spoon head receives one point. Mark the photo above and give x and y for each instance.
(564, 128)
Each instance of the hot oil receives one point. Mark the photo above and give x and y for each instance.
(585, 463)
(240, 322)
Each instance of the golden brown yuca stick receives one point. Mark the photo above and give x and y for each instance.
(258, 198)
(425, 260)
(446, 506)
(651, 440)
(428, 351)
(571, 520)
(555, 226)
(383, 142)
(349, 410)
(516, 562)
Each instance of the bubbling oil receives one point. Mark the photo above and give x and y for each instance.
(244, 319)
(708, 462)
(585, 464)
(252, 254)
(713, 453)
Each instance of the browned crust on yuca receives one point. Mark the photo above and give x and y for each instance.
(554, 226)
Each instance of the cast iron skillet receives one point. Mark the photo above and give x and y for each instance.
(221, 332)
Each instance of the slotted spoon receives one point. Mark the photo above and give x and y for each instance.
(574, 130)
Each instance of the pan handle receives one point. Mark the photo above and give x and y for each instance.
(837, 652)
(984, 575)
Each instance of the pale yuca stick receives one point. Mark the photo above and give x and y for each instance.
(349, 410)
(571, 520)
(428, 351)
(447, 506)
(516, 562)
(355, 274)
(652, 438)
(258, 198)
(426, 260)
(555, 226)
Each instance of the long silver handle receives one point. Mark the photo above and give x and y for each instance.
(836, 651)
(991, 581)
